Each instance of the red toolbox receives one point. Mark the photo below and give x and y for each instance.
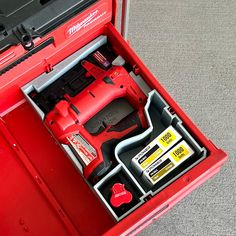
(90, 142)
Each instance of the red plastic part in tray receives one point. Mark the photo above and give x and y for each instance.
(41, 191)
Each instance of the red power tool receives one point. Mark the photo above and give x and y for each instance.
(96, 119)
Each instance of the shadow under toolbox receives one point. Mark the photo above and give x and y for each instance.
(90, 142)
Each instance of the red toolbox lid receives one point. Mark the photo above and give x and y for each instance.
(26, 19)
(24, 24)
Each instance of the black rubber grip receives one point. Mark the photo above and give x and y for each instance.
(108, 147)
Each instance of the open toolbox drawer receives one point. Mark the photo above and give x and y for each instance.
(43, 192)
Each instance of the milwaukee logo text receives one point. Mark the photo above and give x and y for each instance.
(92, 17)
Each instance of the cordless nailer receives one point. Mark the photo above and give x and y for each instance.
(96, 119)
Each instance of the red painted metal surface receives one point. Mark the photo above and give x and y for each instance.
(41, 192)
(60, 183)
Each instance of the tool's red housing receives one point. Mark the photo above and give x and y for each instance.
(41, 191)
(63, 121)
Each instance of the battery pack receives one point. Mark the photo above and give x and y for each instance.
(167, 163)
(155, 149)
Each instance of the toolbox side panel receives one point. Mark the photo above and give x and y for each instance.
(23, 208)
(68, 187)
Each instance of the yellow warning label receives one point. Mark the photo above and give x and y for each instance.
(167, 138)
(163, 171)
(180, 152)
(151, 158)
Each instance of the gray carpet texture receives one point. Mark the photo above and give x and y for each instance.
(190, 46)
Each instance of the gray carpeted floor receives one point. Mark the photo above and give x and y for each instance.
(190, 45)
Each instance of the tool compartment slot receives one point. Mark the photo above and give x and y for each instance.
(160, 118)
(49, 89)
(119, 175)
